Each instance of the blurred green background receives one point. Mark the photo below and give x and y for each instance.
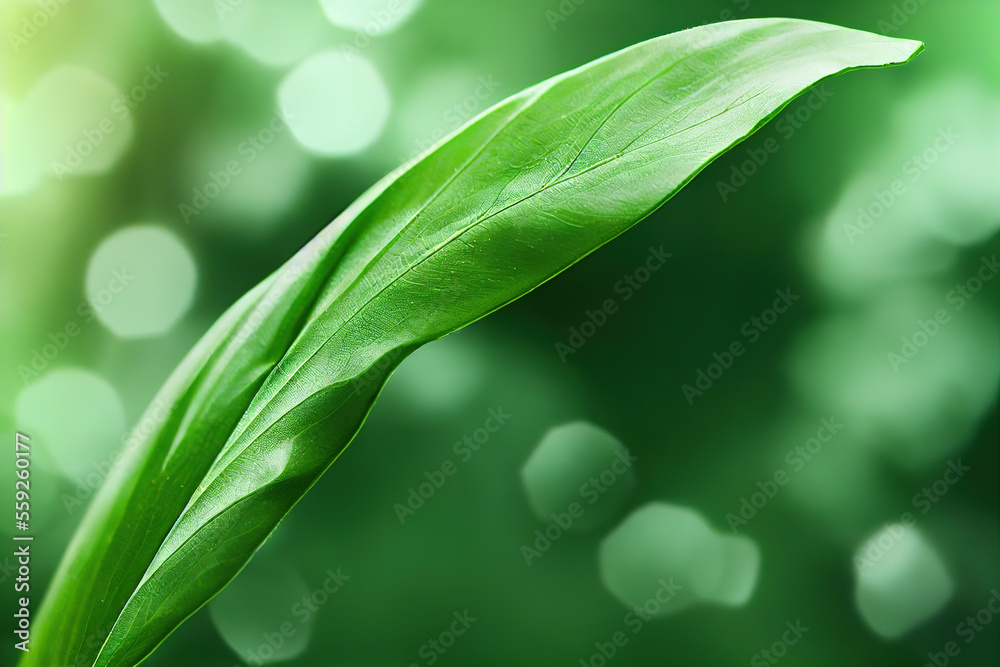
(161, 157)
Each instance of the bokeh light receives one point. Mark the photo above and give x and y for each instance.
(582, 465)
(961, 180)
(195, 20)
(140, 281)
(442, 377)
(910, 374)
(930, 187)
(20, 168)
(901, 581)
(335, 104)
(77, 123)
(660, 546)
(866, 246)
(437, 105)
(245, 178)
(266, 615)
(371, 17)
(274, 33)
(740, 569)
(76, 415)
(354, 88)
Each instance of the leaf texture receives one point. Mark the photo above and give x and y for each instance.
(277, 389)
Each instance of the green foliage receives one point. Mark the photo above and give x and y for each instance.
(280, 385)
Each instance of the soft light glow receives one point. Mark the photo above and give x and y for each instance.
(197, 21)
(77, 122)
(245, 178)
(335, 104)
(267, 599)
(901, 581)
(273, 33)
(443, 376)
(140, 281)
(578, 464)
(664, 558)
(77, 416)
(19, 164)
(910, 374)
(371, 17)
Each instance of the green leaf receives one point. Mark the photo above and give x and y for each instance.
(277, 389)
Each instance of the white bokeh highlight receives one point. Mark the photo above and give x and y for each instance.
(71, 123)
(198, 21)
(140, 281)
(902, 582)
(76, 415)
(276, 34)
(335, 104)
(372, 17)
(266, 614)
